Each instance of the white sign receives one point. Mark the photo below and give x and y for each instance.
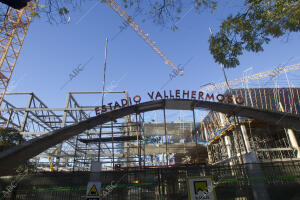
(93, 190)
(201, 188)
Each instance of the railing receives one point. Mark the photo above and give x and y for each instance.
(282, 181)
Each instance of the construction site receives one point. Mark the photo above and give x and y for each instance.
(149, 150)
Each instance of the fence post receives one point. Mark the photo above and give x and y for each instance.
(253, 167)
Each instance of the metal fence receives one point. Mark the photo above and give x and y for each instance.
(281, 181)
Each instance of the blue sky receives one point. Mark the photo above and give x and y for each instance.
(51, 52)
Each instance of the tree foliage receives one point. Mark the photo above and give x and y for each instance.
(9, 137)
(249, 30)
(56, 11)
(160, 11)
(168, 12)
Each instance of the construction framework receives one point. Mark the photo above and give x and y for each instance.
(134, 141)
(231, 137)
(128, 142)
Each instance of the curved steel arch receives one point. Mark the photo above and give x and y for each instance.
(17, 155)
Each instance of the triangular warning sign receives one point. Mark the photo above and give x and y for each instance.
(93, 191)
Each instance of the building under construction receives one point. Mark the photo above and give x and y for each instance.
(126, 142)
(161, 149)
(150, 153)
(134, 142)
(230, 136)
(216, 144)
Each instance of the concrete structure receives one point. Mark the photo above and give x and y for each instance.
(241, 136)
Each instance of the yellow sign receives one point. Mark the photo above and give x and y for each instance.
(93, 191)
(201, 188)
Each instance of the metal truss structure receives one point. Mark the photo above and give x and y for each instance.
(231, 137)
(150, 146)
(37, 119)
(133, 141)
(241, 81)
(228, 139)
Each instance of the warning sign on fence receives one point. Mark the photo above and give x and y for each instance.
(200, 188)
(93, 191)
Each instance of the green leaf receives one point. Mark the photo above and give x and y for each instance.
(35, 14)
(63, 11)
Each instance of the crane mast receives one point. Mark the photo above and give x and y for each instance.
(12, 35)
(141, 33)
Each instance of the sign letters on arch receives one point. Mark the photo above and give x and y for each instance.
(172, 94)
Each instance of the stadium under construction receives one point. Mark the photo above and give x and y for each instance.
(250, 150)
(235, 140)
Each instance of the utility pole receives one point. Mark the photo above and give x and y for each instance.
(102, 99)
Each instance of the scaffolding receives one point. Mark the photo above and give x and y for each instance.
(129, 142)
(137, 142)
(231, 137)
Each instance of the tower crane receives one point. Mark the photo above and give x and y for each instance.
(12, 34)
(261, 75)
(127, 19)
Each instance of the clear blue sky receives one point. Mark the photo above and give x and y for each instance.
(51, 52)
